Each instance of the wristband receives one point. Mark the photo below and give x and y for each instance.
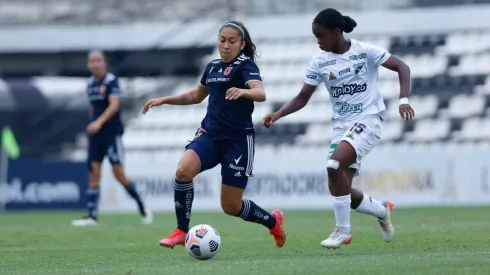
(403, 101)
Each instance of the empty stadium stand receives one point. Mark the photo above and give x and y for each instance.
(450, 67)
(123, 11)
(451, 100)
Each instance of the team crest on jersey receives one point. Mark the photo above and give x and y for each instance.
(228, 71)
(360, 69)
(332, 76)
(102, 90)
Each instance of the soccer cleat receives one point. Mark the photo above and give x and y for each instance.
(387, 229)
(336, 239)
(176, 238)
(148, 218)
(278, 231)
(86, 221)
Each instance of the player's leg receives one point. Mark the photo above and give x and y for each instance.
(337, 168)
(94, 161)
(115, 153)
(363, 203)
(359, 139)
(130, 187)
(236, 166)
(380, 210)
(199, 156)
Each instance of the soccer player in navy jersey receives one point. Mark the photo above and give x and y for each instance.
(105, 131)
(226, 135)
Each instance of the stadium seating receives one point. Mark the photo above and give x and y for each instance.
(123, 11)
(450, 100)
(450, 75)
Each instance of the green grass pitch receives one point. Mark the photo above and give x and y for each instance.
(428, 241)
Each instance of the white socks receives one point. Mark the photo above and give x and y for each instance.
(341, 207)
(371, 207)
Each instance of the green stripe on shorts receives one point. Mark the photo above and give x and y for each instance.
(332, 148)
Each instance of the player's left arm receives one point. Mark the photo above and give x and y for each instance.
(393, 63)
(251, 75)
(381, 57)
(114, 104)
(396, 65)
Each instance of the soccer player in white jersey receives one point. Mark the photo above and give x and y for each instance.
(349, 70)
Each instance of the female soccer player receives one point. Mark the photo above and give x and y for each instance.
(105, 131)
(226, 136)
(349, 69)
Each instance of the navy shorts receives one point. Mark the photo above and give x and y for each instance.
(235, 156)
(101, 145)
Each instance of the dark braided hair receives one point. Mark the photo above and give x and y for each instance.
(331, 18)
(249, 50)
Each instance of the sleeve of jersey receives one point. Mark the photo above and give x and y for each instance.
(313, 76)
(250, 72)
(114, 90)
(204, 76)
(377, 55)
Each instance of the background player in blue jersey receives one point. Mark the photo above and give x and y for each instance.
(105, 131)
(226, 135)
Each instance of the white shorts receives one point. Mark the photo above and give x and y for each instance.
(363, 134)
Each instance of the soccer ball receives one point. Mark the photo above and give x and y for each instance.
(202, 242)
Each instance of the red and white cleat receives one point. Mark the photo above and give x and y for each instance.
(336, 239)
(387, 228)
(176, 238)
(278, 231)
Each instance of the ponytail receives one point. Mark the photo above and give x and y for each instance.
(331, 18)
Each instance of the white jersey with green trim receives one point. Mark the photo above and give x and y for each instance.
(351, 79)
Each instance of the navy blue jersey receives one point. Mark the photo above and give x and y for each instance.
(99, 94)
(229, 119)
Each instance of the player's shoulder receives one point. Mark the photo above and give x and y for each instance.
(91, 80)
(242, 59)
(323, 59)
(109, 78)
(213, 62)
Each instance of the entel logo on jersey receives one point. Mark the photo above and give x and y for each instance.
(347, 89)
(311, 76)
(327, 63)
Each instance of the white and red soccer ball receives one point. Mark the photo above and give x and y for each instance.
(202, 242)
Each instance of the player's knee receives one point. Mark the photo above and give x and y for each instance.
(333, 169)
(184, 174)
(231, 208)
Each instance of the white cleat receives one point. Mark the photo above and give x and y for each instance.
(387, 228)
(148, 219)
(336, 239)
(84, 222)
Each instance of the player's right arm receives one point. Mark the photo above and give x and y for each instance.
(194, 96)
(312, 80)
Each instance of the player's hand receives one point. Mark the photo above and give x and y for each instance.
(93, 127)
(270, 119)
(406, 112)
(234, 93)
(152, 103)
